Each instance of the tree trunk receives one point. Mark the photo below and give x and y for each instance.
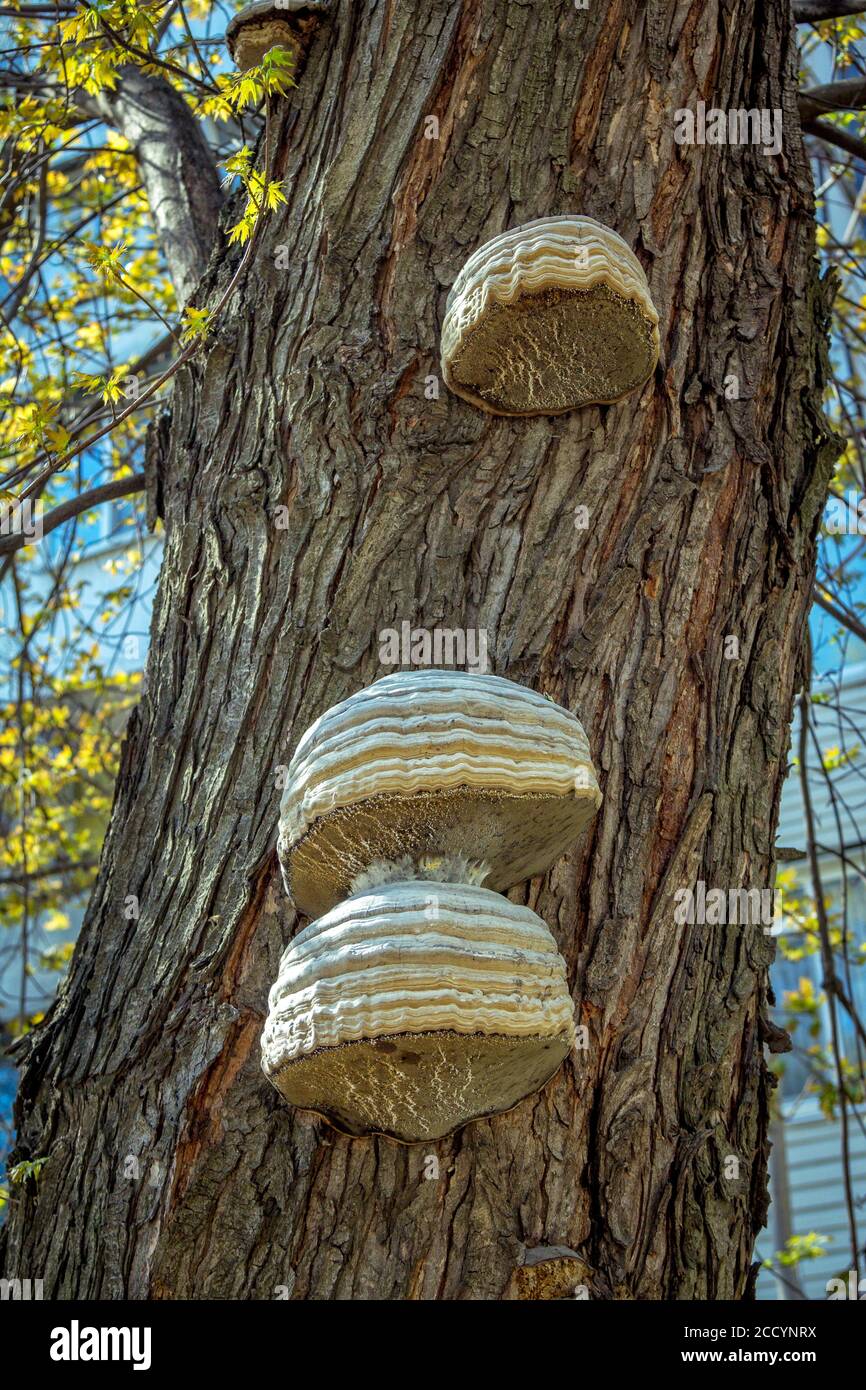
(174, 1170)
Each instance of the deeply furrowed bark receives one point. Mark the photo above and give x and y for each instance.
(173, 1169)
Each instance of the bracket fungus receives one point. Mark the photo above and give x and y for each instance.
(429, 763)
(548, 317)
(268, 24)
(421, 999)
(412, 1008)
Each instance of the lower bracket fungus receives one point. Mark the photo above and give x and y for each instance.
(433, 763)
(415, 1007)
(267, 24)
(548, 317)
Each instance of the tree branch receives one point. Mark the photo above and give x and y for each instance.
(176, 166)
(17, 295)
(846, 618)
(849, 95)
(35, 11)
(834, 135)
(813, 11)
(48, 871)
(120, 487)
(178, 170)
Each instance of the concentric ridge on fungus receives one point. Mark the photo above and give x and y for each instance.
(548, 317)
(433, 763)
(414, 1008)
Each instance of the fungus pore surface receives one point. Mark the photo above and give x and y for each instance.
(265, 24)
(554, 315)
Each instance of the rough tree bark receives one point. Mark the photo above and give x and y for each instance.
(703, 512)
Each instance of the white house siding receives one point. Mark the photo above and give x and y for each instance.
(806, 1172)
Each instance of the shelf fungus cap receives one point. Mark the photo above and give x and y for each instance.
(433, 762)
(414, 1008)
(554, 315)
(268, 24)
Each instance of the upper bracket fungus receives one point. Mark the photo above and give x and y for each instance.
(269, 24)
(433, 763)
(416, 1007)
(551, 316)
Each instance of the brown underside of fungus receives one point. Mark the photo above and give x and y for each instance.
(420, 999)
(554, 315)
(264, 25)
